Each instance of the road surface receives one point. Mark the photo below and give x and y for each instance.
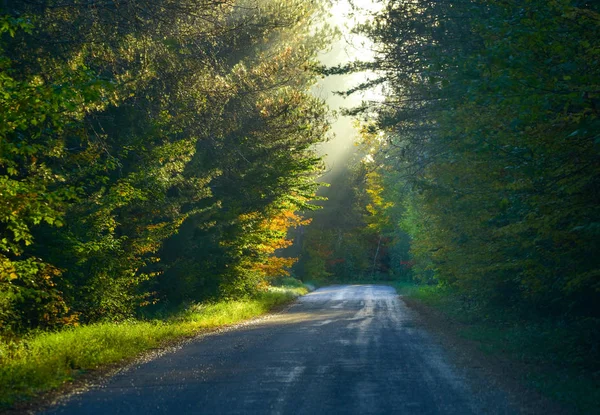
(339, 350)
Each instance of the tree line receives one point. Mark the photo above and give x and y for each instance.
(152, 152)
(485, 150)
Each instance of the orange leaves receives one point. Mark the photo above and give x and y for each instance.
(285, 220)
(267, 235)
(275, 230)
(276, 267)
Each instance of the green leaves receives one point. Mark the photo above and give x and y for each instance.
(130, 154)
(12, 25)
(491, 120)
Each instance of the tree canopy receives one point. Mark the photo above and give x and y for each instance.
(151, 152)
(490, 133)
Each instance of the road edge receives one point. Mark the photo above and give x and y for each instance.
(96, 377)
(499, 370)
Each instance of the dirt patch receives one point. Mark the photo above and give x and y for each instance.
(499, 370)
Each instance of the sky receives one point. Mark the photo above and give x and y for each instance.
(348, 48)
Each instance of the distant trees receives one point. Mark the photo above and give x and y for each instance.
(150, 151)
(492, 125)
(356, 235)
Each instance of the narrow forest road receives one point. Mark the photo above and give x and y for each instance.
(339, 350)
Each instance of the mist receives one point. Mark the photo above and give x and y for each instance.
(349, 47)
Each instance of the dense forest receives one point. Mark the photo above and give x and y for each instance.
(154, 153)
(151, 152)
(483, 158)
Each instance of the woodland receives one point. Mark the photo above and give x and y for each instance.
(482, 161)
(152, 152)
(480, 168)
(479, 172)
(155, 153)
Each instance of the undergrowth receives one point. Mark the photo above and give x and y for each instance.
(44, 361)
(561, 355)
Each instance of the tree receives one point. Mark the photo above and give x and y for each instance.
(134, 127)
(491, 121)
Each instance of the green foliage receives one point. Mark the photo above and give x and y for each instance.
(491, 124)
(37, 112)
(290, 282)
(145, 163)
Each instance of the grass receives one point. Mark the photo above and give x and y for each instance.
(45, 361)
(561, 357)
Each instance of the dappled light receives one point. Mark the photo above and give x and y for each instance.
(273, 203)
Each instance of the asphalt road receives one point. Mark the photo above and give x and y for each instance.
(339, 350)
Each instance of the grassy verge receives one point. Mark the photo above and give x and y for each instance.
(46, 361)
(560, 358)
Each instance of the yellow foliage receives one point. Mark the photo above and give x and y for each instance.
(268, 235)
(276, 267)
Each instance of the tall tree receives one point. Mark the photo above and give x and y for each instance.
(491, 119)
(133, 123)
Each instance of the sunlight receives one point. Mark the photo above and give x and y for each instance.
(345, 15)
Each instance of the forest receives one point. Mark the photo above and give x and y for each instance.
(483, 157)
(160, 153)
(153, 152)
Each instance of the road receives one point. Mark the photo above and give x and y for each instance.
(339, 350)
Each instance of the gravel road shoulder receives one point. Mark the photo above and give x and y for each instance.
(500, 371)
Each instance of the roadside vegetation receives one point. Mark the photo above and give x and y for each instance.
(557, 357)
(42, 361)
(153, 154)
(477, 176)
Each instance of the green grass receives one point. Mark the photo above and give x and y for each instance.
(45, 361)
(561, 357)
(404, 287)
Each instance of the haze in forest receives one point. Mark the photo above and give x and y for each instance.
(349, 47)
(157, 158)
